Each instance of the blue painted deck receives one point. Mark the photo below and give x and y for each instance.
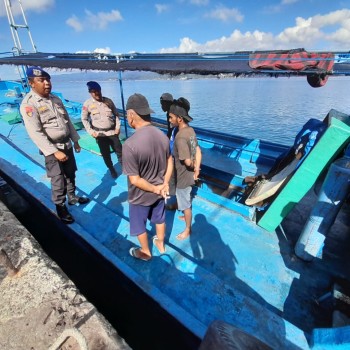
(229, 269)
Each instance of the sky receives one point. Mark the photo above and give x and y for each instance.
(153, 26)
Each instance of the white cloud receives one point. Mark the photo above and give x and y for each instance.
(75, 23)
(28, 5)
(341, 36)
(225, 14)
(161, 8)
(303, 34)
(102, 19)
(106, 50)
(340, 17)
(38, 5)
(251, 40)
(321, 32)
(98, 21)
(332, 31)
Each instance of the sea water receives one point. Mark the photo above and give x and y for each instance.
(272, 109)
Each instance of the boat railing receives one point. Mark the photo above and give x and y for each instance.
(5, 54)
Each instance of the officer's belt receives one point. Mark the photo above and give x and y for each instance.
(62, 140)
(103, 129)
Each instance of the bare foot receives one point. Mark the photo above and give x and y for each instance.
(183, 235)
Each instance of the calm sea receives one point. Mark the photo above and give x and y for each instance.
(271, 109)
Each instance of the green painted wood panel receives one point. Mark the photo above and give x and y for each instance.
(332, 142)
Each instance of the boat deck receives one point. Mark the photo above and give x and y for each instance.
(229, 269)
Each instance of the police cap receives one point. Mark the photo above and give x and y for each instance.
(35, 71)
(93, 85)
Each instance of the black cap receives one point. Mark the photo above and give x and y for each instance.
(167, 97)
(180, 107)
(139, 104)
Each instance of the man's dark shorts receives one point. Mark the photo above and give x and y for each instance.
(139, 214)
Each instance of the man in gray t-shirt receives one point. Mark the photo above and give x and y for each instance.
(148, 164)
(188, 157)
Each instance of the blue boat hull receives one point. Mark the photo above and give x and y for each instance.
(229, 269)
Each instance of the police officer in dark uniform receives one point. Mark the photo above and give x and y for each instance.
(48, 125)
(101, 121)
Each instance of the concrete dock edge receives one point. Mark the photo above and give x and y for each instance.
(40, 307)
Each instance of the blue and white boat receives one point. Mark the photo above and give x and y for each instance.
(279, 272)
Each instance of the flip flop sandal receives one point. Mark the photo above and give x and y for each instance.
(133, 253)
(154, 244)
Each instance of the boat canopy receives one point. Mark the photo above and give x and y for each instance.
(274, 63)
(246, 62)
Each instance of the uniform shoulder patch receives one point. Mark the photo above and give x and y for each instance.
(29, 110)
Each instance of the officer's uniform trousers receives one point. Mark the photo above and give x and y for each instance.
(62, 175)
(104, 143)
(49, 126)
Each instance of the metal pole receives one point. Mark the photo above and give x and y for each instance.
(17, 49)
(123, 105)
(27, 27)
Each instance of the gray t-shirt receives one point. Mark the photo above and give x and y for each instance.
(184, 148)
(145, 153)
